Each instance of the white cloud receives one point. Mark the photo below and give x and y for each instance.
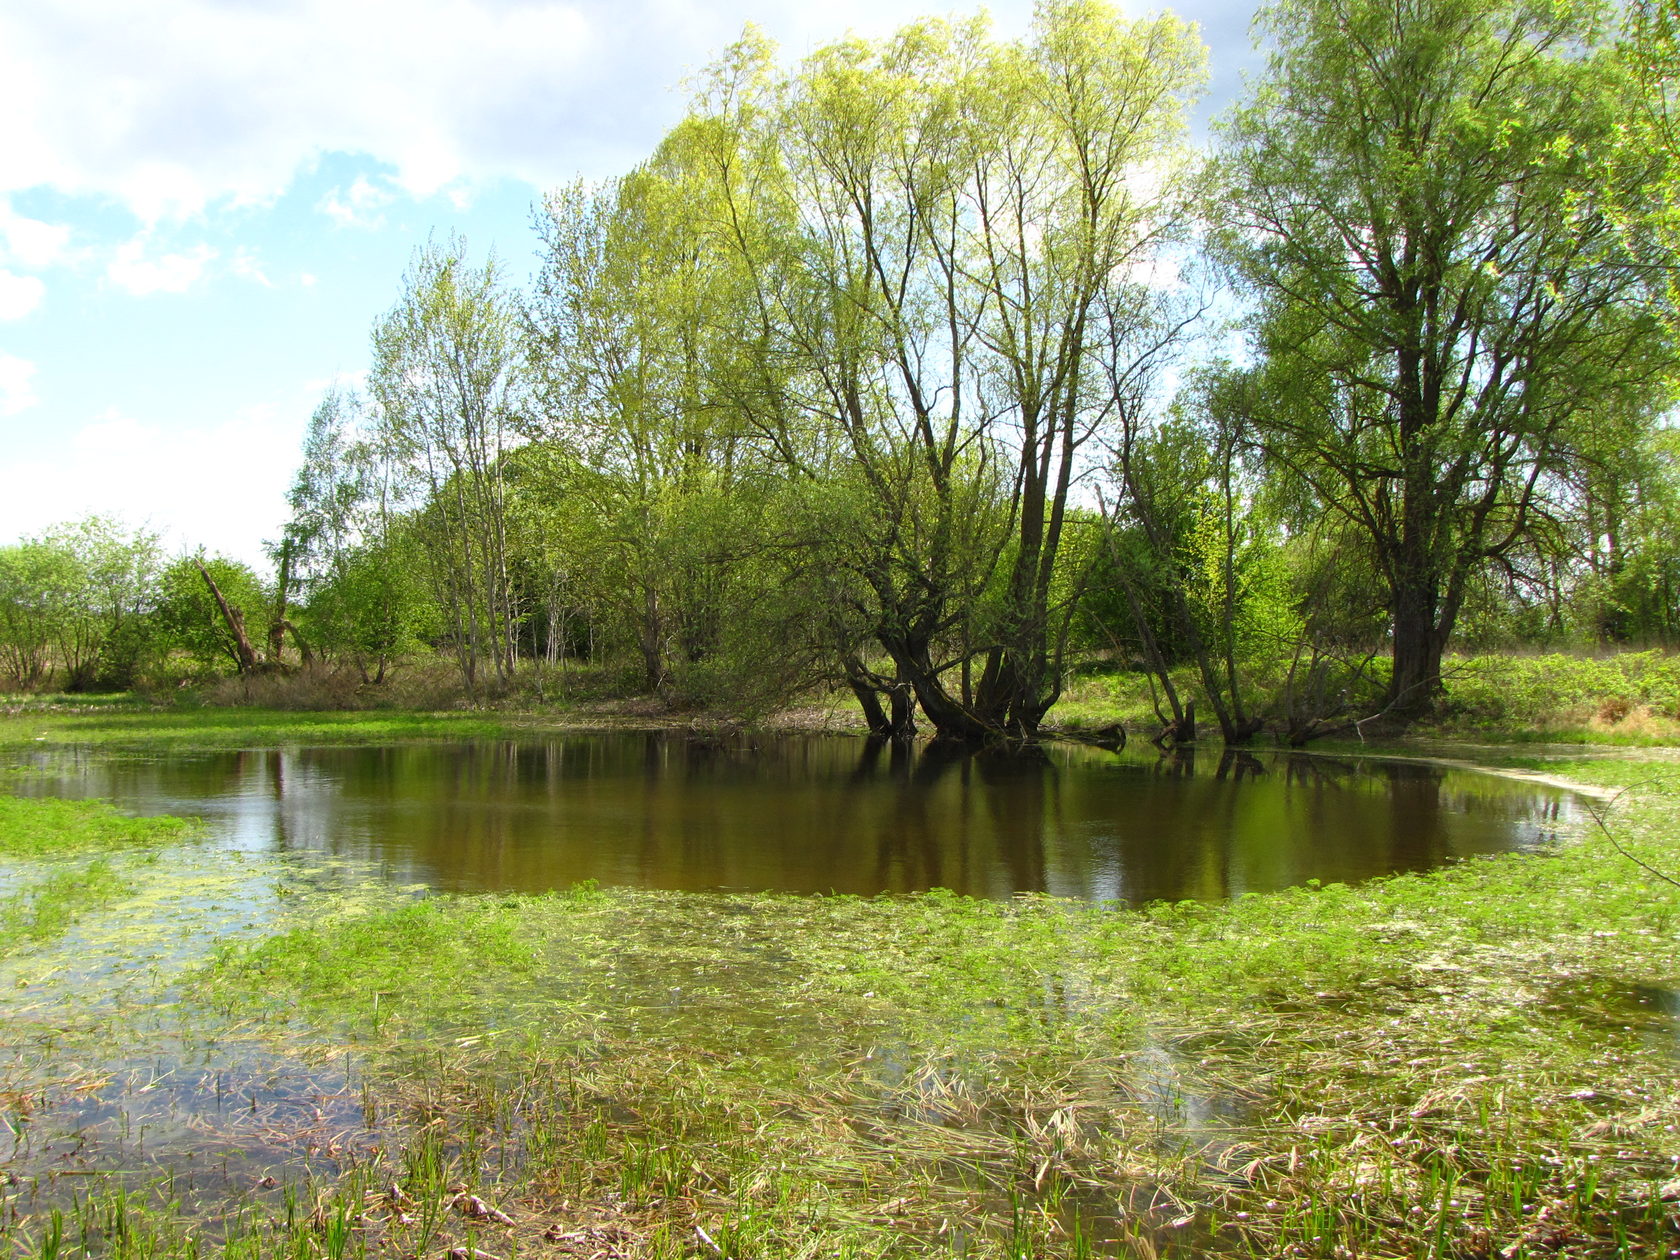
(179, 481)
(247, 266)
(113, 433)
(19, 294)
(130, 269)
(357, 206)
(17, 392)
(30, 242)
(172, 104)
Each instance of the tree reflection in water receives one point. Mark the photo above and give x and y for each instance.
(819, 814)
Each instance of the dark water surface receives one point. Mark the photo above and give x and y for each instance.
(827, 813)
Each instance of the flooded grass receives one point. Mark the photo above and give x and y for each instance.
(38, 827)
(125, 722)
(50, 880)
(260, 1056)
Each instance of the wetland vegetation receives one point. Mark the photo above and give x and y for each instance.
(890, 376)
(263, 1050)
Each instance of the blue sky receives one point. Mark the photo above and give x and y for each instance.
(205, 204)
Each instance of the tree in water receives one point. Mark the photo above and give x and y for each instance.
(942, 223)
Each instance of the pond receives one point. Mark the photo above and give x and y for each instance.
(126, 1067)
(811, 814)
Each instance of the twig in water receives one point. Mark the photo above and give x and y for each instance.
(1598, 811)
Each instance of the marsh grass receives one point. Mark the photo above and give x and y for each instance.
(51, 882)
(1426, 1066)
(37, 827)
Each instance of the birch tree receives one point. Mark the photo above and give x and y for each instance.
(449, 387)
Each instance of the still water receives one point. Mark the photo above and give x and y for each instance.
(827, 813)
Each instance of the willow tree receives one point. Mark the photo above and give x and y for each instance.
(643, 362)
(1417, 203)
(951, 220)
(447, 378)
(1651, 50)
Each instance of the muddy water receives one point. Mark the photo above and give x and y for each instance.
(820, 814)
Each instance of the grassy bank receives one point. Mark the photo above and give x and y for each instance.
(126, 722)
(1477, 1062)
(1627, 698)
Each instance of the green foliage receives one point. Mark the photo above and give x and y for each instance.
(449, 384)
(1421, 212)
(1649, 141)
(187, 619)
(372, 606)
(34, 575)
(917, 249)
(72, 600)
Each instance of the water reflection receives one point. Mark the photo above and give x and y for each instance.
(818, 814)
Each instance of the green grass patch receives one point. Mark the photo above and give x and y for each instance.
(1628, 698)
(127, 726)
(40, 834)
(33, 827)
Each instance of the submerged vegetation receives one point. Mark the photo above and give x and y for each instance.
(1477, 1061)
(42, 894)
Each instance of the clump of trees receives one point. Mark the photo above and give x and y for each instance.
(96, 606)
(75, 605)
(934, 363)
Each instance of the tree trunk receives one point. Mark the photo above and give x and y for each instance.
(894, 720)
(1415, 685)
(869, 700)
(277, 622)
(235, 623)
(650, 638)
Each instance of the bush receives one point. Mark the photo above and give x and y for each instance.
(1561, 692)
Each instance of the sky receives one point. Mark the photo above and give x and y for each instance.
(206, 204)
